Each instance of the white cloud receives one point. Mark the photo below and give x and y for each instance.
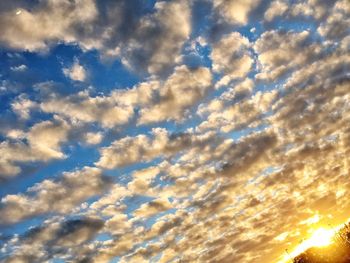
(130, 150)
(19, 68)
(93, 138)
(22, 106)
(157, 100)
(44, 142)
(317, 9)
(82, 107)
(153, 207)
(235, 11)
(76, 72)
(230, 56)
(183, 89)
(149, 44)
(118, 224)
(280, 52)
(47, 22)
(276, 8)
(142, 179)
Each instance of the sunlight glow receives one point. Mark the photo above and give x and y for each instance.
(321, 237)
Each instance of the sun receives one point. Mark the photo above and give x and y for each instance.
(321, 238)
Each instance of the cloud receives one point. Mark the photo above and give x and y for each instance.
(55, 238)
(230, 56)
(93, 138)
(335, 26)
(76, 72)
(47, 22)
(317, 9)
(22, 106)
(183, 89)
(249, 173)
(149, 43)
(19, 68)
(156, 100)
(229, 206)
(54, 196)
(130, 150)
(235, 110)
(158, 38)
(82, 107)
(143, 148)
(118, 224)
(235, 12)
(276, 8)
(45, 138)
(228, 218)
(110, 203)
(152, 208)
(142, 179)
(280, 52)
(43, 144)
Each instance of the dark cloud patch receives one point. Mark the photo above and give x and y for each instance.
(56, 239)
(50, 196)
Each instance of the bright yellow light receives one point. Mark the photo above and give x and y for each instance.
(321, 237)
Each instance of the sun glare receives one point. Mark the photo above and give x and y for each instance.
(321, 237)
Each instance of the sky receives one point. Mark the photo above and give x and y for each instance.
(171, 131)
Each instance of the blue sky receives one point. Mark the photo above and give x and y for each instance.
(158, 131)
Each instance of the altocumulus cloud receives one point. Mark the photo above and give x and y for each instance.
(117, 147)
